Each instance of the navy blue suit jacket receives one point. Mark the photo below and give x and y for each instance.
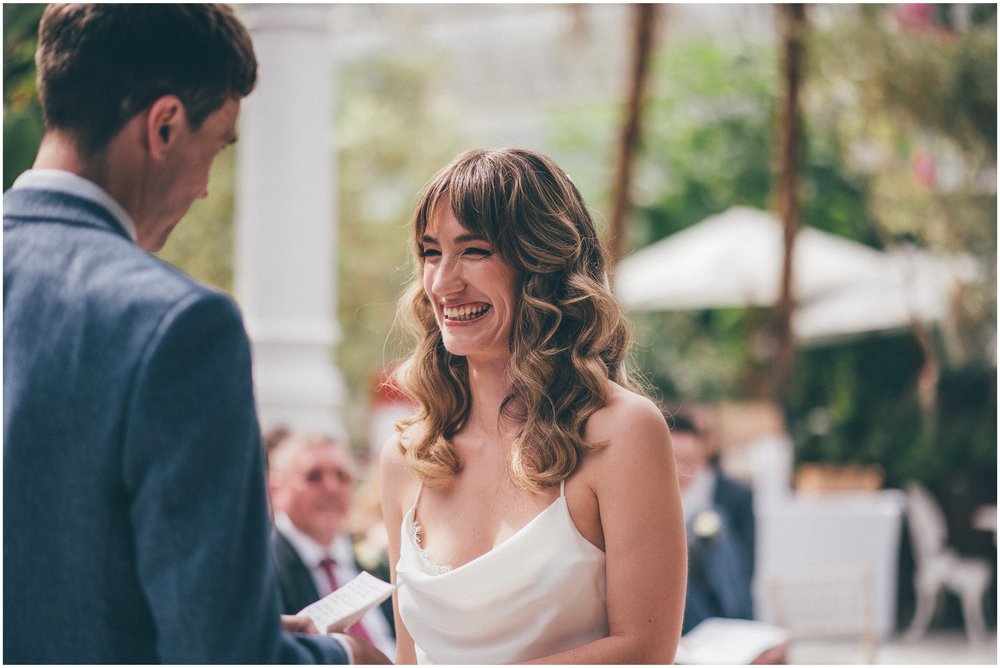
(721, 567)
(135, 518)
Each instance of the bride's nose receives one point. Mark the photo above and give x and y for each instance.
(448, 278)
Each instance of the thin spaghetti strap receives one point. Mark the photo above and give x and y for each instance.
(420, 490)
(562, 488)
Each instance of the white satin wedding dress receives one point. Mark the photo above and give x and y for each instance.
(539, 592)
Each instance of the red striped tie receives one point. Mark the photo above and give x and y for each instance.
(327, 565)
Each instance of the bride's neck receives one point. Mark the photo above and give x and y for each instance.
(489, 385)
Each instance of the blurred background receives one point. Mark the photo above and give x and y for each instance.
(839, 374)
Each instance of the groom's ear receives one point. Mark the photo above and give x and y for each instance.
(164, 121)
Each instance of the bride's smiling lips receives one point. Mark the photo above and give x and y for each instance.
(464, 313)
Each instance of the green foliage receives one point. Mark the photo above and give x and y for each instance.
(709, 145)
(844, 396)
(913, 105)
(202, 243)
(22, 114)
(393, 136)
(583, 143)
(966, 435)
(699, 356)
(930, 75)
(892, 431)
(707, 128)
(709, 125)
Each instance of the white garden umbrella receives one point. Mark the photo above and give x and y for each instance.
(734, 259)
(916, 287)
(840, 287)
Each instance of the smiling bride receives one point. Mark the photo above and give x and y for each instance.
(532, 503)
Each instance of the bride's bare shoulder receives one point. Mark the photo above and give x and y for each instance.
(396, 476)
(630, 423)
(626, 411)
(636, 444)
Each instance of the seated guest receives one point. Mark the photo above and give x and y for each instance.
(312, 481)
(718, 514)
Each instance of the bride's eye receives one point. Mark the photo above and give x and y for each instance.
(478, 252)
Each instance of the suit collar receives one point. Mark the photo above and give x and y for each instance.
(700, 492)
(73, 184)
(31, 205)
(311, 552)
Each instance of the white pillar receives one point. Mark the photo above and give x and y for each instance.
(286, 226)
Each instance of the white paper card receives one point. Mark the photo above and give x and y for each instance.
(338, 610)
(719, 641)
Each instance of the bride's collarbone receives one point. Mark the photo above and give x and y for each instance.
(463, 532)
(488, 492)
(484, 507)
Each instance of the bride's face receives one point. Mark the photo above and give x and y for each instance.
(472, 290)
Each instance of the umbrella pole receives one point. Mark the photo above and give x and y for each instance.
(642, 46)
(793, 25)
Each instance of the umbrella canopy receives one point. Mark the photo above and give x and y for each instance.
(916, 286)
(734, 259)
(841, 287)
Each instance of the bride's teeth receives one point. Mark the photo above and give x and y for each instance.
(465, 312)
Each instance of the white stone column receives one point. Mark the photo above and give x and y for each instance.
(286, 224)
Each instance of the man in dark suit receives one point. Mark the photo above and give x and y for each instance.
(313, 480)
(135, 515)
(720, 531)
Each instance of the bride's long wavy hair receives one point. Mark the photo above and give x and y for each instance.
(569, 335)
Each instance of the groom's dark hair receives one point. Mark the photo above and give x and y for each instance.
(101, 64)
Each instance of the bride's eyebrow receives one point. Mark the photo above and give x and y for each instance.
(460, 239)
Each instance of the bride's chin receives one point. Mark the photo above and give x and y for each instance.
(453, 349)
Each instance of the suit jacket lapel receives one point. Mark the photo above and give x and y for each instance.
(297, 586)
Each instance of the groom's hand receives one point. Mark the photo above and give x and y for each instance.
(298, 624)
(364, 653)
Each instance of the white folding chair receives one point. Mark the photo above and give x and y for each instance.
(940, 568)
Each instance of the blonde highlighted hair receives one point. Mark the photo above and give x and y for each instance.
(569, 335)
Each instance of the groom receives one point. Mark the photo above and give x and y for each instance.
(135, 516)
